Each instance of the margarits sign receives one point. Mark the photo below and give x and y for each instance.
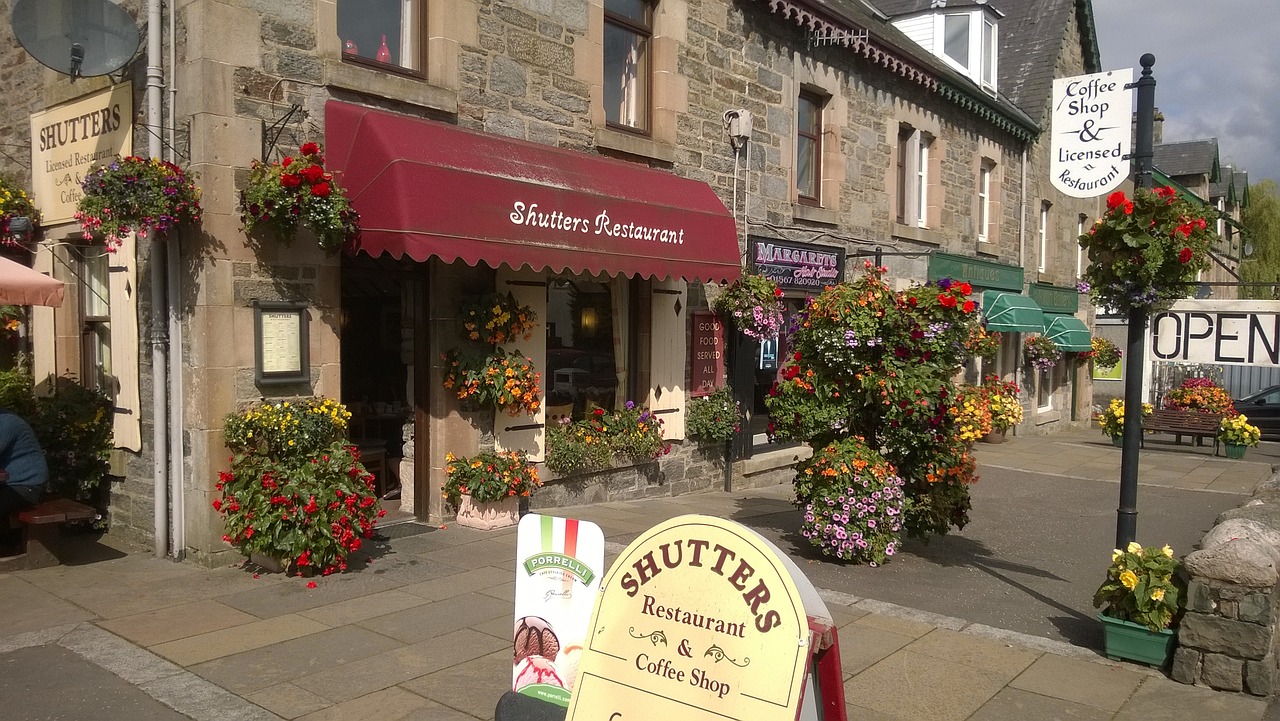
(1091, 133)
(68, 140)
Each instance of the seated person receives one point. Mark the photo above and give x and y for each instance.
(23, 461)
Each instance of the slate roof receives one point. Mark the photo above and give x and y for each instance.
(1189, 157)
(1233, 185)
(1031, 36)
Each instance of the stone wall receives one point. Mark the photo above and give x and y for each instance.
(1228, 639)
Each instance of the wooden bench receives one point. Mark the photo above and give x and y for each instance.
(42, 526)
(1195, 424)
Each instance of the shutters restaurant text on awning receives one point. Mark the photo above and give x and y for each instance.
(602, 224)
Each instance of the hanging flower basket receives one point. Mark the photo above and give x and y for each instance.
(497, 318)
(283, 195)
(136, 195)
(15, 203)
(1105, 353)
(506, 381)
(1146, 250)
(752, 303)
(1041, 353)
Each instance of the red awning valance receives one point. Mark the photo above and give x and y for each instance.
(425, 188)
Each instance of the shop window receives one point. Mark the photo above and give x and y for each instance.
(628, 30)
(384, 33)
(809, 148)
(913, 176)
(587, 344)
(95, 310)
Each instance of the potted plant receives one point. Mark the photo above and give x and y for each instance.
(753, 304)
(504, 380)
(578, 446)
(15, 203)
(136, 195)
(1111, 421)
(983, 343)
(1201, 395)
(497, 318)
(854, 502)
(1142, 600)
(487, 488)
(1105, 353)
(635, 433)
(298, 191)
(296, 497)
(1145, 250)
(713, 418)
(972, 413)
(1236, 433)
(1006, 409)
(1040, 352)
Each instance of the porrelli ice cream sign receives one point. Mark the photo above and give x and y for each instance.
(1091, 132)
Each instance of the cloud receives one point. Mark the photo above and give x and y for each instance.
(1215, 70)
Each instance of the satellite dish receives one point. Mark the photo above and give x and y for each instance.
(80, 38)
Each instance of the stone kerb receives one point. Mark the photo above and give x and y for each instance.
(1228, 639)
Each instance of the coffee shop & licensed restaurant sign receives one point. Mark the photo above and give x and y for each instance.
(702, 618)
(67, 140)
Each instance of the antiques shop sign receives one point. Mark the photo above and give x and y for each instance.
(1234, 332)
(68, 140)
(1091, 132)
(697, 619)
(797, 266)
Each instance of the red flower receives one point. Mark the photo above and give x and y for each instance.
(946, 300)
(777, 292)
(309, 149)
(320, 190)
(217, 504)
(968, 306)
(312, 173)
(289, 180)
(312, 584)
(965, 289)
(1184, 255)
(1128, 207)
(911, 301)
(286, 162)
(1116, 199)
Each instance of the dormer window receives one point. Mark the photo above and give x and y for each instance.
(989, 55)
(955, 44)
(966, 38)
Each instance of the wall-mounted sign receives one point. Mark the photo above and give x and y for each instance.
(281, 343)
(69, 139)
(797, 266)
(1053, 299)
(699, 618)
(706, 371)
(1092, 126)
(559, 562)
(980, 273)
(1234, 332)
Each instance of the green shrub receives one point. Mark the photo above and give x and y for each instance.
(714, 418)
(74, 427)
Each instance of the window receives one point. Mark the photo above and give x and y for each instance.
(1044, 237)
(809, 148)
(1081, 226)
(95, 352)
(587, 339)
(628, 28)
(984, 200)
(1044, 388)
(382, 32)
(955, 41)
(913, 176)
(988, 54)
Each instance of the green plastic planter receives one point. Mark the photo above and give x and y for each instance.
(1234, 451)
(1135, 642)
(1117, 441)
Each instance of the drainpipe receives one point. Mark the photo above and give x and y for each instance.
(176, 474)
(1018, 376)
(159, 335)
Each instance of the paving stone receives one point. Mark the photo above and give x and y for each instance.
(288, 701)
(916, 686)
(439, 712)
(175, 622)
(460, 583)
(1014, 705)
(259, 668)
(1002, 659)
(1160, 698)
(82, 689)
(861, 646)
(862, 713)
(433, 619)
(391, 704)
(228, 641)
(893, 624)
(502, 591)
(365, 607)
(1103, 686)
(30, 608)
(473, 687)
(502, 627)
(293, 595)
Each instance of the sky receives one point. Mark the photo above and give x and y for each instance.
(1217, 70)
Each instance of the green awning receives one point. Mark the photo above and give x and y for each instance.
(1011, 312)
(1068, 332)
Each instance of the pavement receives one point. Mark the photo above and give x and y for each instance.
(989, 623)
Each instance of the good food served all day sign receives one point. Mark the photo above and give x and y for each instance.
(697, 619)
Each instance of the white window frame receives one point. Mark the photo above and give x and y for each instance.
(915, 204)
(967, 63)
(1045, 385)
(1042, 263)
(1080, 228)
(990, 48)
(985, 169)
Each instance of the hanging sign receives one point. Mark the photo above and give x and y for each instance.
(559, 562)
(68, 140)
(699, 618)
(1091, 133)
(706, 372)
(797, 266)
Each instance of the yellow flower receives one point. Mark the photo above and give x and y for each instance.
(1116, 554)
(1129, 580)
(1157, 594)
(1133, 547)
(1168, 552)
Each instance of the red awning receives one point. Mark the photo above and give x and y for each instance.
(425, 188)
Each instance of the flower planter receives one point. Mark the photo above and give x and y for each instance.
(1135, 642)
(1117, 441)
(994, 437)
(488, 515)
(1234, 451)
(270, 564)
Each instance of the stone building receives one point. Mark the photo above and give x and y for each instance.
(608, 162)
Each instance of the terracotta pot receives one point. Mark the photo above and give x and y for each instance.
(488, 515)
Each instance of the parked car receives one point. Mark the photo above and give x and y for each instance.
(1263, 410)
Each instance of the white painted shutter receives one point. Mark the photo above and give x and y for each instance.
(525, 432)
(667, 350)
(43, 330)
(122, 282)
